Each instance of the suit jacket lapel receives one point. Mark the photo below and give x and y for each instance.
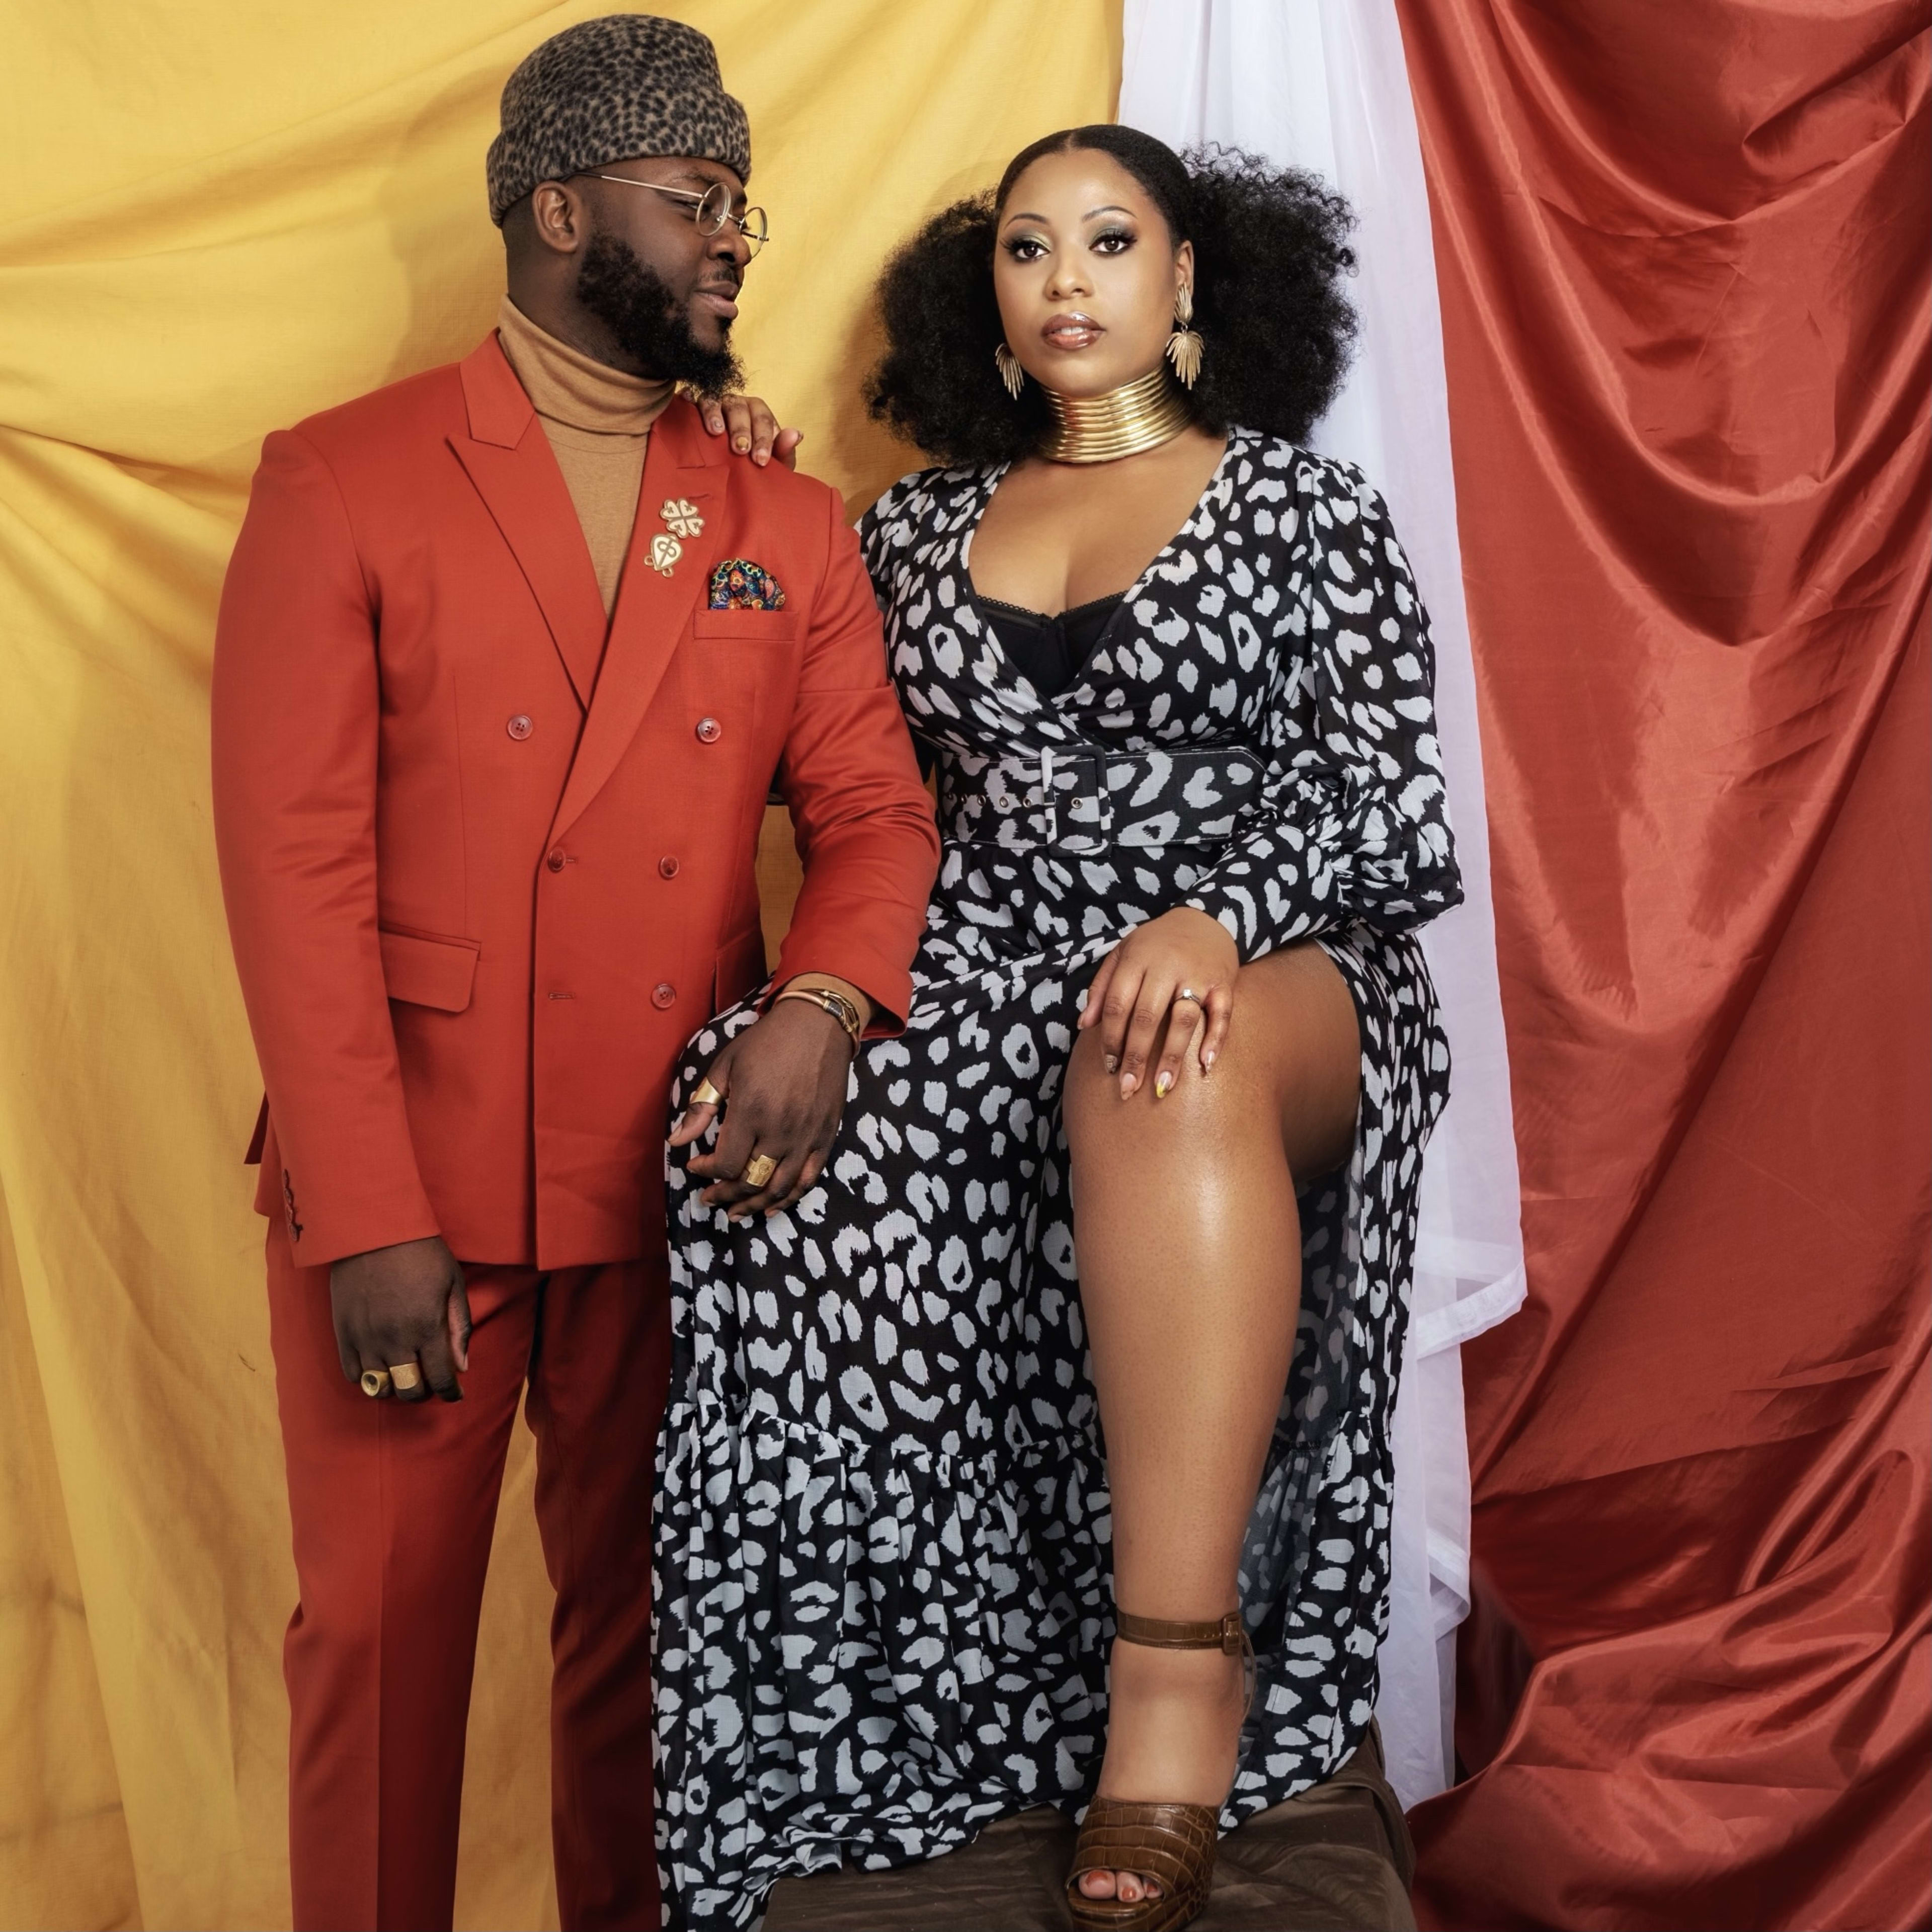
(653, 607)
(509, 460)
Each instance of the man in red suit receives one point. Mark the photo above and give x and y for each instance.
(510, 655)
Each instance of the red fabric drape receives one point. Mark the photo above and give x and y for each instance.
(1682, 252)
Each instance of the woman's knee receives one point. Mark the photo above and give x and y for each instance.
(1097, 1115)
(1289, 1066)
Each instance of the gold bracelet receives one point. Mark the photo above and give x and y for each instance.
(840, 1009)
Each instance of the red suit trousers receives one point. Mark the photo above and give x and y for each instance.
(393, 1507)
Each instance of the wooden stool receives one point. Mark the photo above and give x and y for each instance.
(1337, 1858)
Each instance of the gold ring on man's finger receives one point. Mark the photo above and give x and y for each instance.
(758, 1170)
(406, 1377)
(376, 1382)
(705, 1095)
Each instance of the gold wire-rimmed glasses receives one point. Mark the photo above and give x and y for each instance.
(713, 211)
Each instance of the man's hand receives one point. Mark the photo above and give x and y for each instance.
(405, 1303)
(754, 430)
(784, 1080)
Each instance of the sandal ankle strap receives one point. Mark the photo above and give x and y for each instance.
(1228, 1633)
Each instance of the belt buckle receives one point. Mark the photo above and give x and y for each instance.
(1089, 834)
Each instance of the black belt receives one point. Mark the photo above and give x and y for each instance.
(1079, 798)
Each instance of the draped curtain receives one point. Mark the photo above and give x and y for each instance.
(1682, 255)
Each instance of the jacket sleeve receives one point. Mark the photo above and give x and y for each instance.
(296, 707)
(863, 821)
(1353, 822)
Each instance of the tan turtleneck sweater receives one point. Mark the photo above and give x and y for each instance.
(599, 422)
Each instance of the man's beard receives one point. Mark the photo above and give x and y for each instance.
(651, 327)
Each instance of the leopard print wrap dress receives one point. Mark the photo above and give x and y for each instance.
(882, 1549)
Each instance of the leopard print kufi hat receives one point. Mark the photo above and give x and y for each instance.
(610, 90)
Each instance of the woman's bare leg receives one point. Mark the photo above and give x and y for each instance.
(1189, 1249)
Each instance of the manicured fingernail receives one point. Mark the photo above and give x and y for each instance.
(1112, 1063)
(1161, 1086)
(763, 457)
(1129, 1085)
(741, 444)
(1206, 1061)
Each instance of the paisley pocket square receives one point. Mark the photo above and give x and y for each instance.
(738, 584)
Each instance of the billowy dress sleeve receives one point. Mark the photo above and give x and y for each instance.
(1352, 824)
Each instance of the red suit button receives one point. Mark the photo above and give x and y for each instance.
(556, 861)
(667, 867)
(709, 730)
(520, 727)
(663, 993)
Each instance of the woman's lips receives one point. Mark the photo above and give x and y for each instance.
(1071, 331)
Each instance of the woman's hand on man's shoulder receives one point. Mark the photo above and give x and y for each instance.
(752, 428)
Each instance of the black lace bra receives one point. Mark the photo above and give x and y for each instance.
(1049, 651)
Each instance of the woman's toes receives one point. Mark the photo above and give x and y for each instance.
(1129, 1888)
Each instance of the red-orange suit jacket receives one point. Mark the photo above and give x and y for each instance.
(486, 872)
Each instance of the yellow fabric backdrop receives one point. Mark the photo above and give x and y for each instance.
(217, 217)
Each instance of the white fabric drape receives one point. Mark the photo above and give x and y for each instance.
(1321, 84)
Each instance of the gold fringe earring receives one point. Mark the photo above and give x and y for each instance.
(1184, 346)
(1011, 374)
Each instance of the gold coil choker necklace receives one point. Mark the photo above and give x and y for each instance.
(1139, 415)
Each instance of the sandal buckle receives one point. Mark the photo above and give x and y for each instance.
(1234, 1634)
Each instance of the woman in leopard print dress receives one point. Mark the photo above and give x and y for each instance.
(887, 1553)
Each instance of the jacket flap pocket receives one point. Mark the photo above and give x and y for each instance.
(437, 973)
(764, 627)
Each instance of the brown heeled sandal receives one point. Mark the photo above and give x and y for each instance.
(1172, 1844)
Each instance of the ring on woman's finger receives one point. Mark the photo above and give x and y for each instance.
(405, 1377)
(1188, 994)
(758, 1170)
(375, 1382)
(705, 1095)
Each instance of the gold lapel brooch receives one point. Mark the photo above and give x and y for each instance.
(681, 520)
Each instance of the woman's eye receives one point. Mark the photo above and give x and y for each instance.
(1114, 241)
(1026, 248)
